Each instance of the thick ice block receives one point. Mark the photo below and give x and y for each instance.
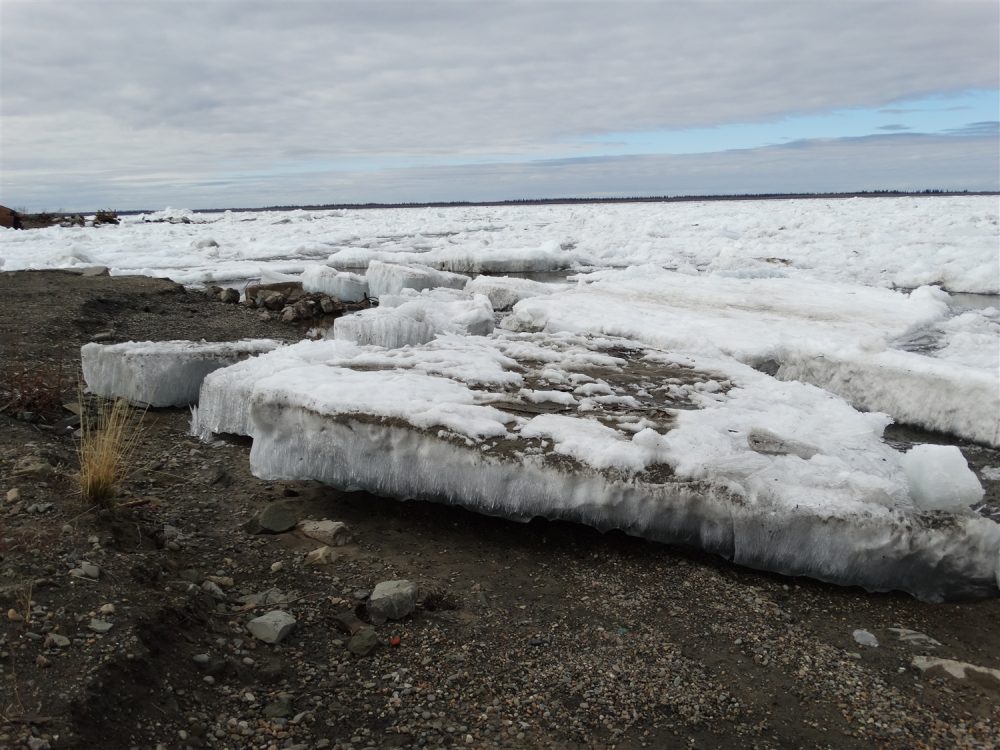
(161, 373)
(347, 287)
(615, 434)
(412, 318)
(392, 278)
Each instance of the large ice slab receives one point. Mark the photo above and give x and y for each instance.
(161, 373)
(392, 278)
(413, 318)
(703, 451)
(342, 285)
(842, 338)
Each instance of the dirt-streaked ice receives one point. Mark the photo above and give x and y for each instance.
(614, 434)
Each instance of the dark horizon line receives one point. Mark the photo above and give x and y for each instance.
(629, 199)
(562, 201)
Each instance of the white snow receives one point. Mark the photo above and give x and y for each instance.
(839, 337)
(506, 291)
(161, 373)
(223, 398)
(887, 242)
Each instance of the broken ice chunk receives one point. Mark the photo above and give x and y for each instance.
(161, 373)
(940, 479)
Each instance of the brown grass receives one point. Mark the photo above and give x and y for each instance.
(108, 440)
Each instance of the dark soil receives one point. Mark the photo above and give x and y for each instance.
(525, 635)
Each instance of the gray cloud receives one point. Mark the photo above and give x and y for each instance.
(149, 97)
(908, 161)
(895, 127)
(986, 128)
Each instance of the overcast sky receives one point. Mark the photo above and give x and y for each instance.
(211, 103)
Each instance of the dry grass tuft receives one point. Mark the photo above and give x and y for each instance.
(108, 440)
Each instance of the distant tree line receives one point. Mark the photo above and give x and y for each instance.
(570, 201)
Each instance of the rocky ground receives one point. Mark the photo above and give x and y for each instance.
(128, 627)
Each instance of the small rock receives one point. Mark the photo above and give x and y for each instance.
(13, 615)
(99, 626)
(212, 589)
(201, 660)
(106, 609)
(322, 556)
(767, 442)
(37, 743)
(276, 566)
(86, 570)
(915, 638)
(363, 643)
(272, 627)
(274, 301)
(280, 708)
(40, 507)
(864, 638)
(327, 305)
(288, 315)
(56, 640)
(229, 296)
(33, 466)
(13, 495)
(333, 533)
(392, 600)
(958, 670)
(276, 518)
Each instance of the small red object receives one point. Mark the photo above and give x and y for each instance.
(394, 641)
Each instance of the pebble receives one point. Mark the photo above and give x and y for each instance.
(864, 638)
(86, 570)
(272, 627)
(364, 642)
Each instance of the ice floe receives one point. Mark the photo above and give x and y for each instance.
(392, 278)
(705, 451)
(342, 285)
(160, 373)
(888, 242)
